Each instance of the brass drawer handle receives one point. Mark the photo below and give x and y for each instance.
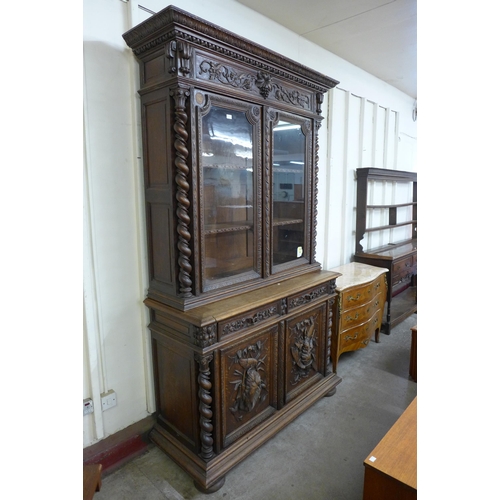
(350, 318)
(350, 297)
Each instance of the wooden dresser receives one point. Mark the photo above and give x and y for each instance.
(399, 258)
(362, 292)
(391, 468)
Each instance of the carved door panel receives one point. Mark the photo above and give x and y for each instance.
(249, 383)
(304, 350)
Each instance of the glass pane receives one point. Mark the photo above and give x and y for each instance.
(228, 185)
(289, 145)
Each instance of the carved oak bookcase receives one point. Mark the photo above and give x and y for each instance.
(241, 313)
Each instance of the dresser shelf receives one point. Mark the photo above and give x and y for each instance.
(400, 258)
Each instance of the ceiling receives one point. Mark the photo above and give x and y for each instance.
(378, 36)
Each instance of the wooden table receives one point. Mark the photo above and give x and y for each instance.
(391, 468)
(91, 480)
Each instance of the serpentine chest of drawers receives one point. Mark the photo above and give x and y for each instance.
(362, 292)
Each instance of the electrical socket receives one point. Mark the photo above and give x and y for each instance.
(88, 406)
(108, 400)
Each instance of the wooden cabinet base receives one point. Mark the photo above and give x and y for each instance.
(230, 375)
(209, 476)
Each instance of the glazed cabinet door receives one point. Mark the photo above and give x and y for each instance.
(305, 352)
(249, 373)
(228, 166)
(291, 140)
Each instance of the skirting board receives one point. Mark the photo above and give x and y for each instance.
(121, 447)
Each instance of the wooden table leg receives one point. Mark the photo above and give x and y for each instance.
(91, 480)
(413, 353)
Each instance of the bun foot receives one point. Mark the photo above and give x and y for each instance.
(212, 489)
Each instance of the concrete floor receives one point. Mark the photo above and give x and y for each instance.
(319, 456)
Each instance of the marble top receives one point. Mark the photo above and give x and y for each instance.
(356, 273)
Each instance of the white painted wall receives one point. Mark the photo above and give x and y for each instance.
(367, 123)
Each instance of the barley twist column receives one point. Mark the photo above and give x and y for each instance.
(317, 125)
(205, 385)
(181, 179)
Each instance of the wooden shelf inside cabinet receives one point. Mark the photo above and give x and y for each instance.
(227, 166)
(400, 257)
(286, 222)
(226, 227)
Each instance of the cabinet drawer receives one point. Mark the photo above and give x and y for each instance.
(248, 319)
(358, 315)
(361, 334)
(360, 295)
(404, 276)
(400, 266)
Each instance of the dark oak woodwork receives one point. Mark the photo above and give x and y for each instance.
(399, 258)
(241, 314)
(228, 377)
(188, 69)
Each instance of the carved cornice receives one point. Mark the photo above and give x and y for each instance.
(173, 22)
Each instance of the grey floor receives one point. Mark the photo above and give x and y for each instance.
(319, 456)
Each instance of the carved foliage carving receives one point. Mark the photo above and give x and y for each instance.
(241, 323)
(250, 383)
(261, 82)
(303, 349)
(206, 336)
(307, 297)
(227, 76)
